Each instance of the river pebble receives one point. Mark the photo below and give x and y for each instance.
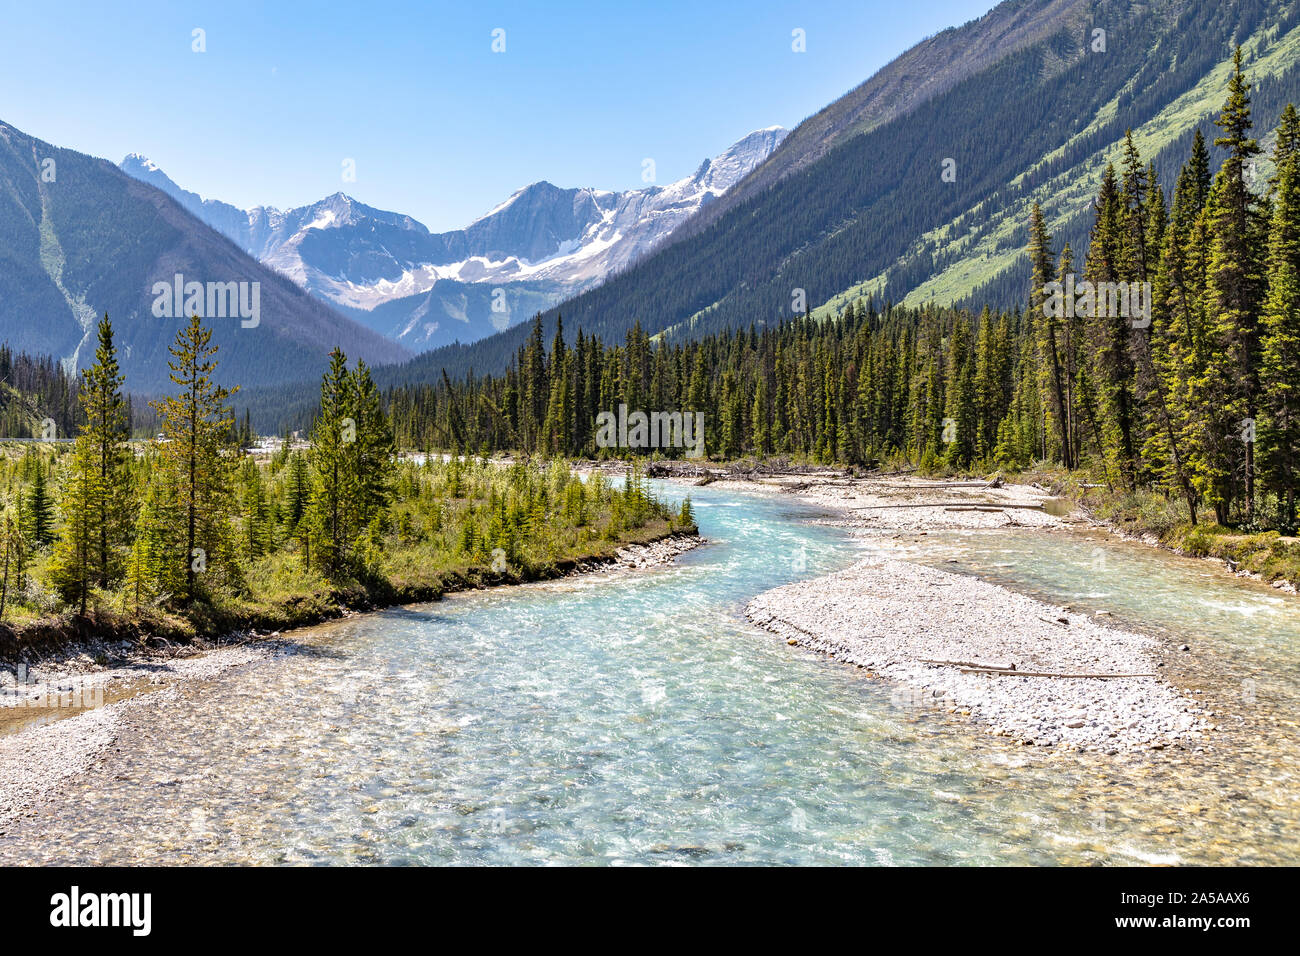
(896, 618)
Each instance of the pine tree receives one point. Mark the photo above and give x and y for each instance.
(369, 456)
(333, 430)
(195, 454)
(1162, 449)
(72, 566)
(1108, 263)
(760, 416)
(256, 510)
(152, 572)
(960, 392)
(96, 493)
(11, 542)
(352, 460)
(1279, 432)
(37, 505)
(1040, 258)
(686, 515)
(297, 492)
(1236, 282)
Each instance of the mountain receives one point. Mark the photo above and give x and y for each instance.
(223, 217)
(933, 66)
(863, 206)
(79, 238)
(423, 289)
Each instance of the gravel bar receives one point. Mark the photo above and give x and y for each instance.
(891, 617)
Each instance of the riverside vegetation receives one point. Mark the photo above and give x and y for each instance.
(1183, 422)
(188, 534)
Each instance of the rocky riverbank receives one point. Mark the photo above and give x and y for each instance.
(958, 645)
(61, 713)
(955, 644)
(49, 746)
(889, 505)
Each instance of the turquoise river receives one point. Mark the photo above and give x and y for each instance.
(636, 718)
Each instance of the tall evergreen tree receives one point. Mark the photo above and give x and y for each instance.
(1236, 285)
(1048, 324)
(333, 430)
(1279, 431)
(196, 454)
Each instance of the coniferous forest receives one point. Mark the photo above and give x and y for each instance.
(1189, 400)
(1196, 400)
(190, 531)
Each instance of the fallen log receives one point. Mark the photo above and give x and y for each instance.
(945, 484)
(948, 504)
(926, 660)
(999, 672)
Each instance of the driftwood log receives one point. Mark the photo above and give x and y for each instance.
(974, 667)
(954, 504)
(999, 672)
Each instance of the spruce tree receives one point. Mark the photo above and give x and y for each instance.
(333, 430)
(37, 504)
(1279, 432)
(72, 568)
(1108, 263)
(195, 453)
(1236, 284)
(97, 492)
(1048, 324)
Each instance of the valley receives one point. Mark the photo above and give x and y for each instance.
(829, 435)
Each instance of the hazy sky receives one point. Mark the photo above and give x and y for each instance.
(439, 126)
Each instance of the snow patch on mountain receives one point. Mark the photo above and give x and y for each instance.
(560, 240)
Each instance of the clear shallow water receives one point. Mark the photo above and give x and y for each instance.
(635, 718)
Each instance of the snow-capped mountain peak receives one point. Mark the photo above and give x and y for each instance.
(544, 242)
(140, 162)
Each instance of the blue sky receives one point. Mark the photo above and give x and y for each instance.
(440, 127)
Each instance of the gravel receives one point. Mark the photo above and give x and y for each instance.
(891, 617)
(868, 505)
(656, 553)
(36, 760)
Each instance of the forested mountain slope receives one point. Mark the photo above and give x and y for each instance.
(933, 66)
(876, 213)
(79, 238)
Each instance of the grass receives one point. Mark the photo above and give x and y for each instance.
(450, 527)
(1164, 520)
